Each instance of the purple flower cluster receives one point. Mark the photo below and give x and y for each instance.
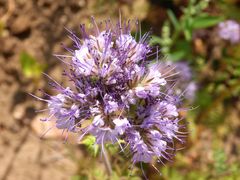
(118, 93)
(229, 30)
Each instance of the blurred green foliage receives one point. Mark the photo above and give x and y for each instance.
(30, 66)
(217, 73)
(89, 142)
(193, 18)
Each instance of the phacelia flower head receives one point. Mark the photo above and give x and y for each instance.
(118, 93)
(229, 30)
(185, 86)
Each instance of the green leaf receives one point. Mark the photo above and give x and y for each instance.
(177, 55)
(205, 21)
(30, 67)
(89, 141)
(181, 51)
(173, 19)
(187, 28)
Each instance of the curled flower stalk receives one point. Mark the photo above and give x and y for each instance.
(118, 93)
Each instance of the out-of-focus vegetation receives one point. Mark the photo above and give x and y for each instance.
(177, 34)
(30, 66)
(215, 63)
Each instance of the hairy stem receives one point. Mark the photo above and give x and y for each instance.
(107, 163)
